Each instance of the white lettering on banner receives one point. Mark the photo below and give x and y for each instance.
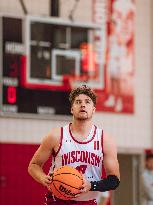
(99, 16)
(10, 81)
(45, 110)
(14, 48)
(10, 108)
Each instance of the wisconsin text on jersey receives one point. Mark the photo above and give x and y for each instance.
(81, 156)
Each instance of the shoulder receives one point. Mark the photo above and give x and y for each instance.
(52, 138)
(108, 138)
(109, 143)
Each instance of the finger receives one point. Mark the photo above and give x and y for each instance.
(48, 187)
(47, 182)
(55, 169)
(49, 178)
(83, 190)
(50, 174)
(78, 194)
(83, 186)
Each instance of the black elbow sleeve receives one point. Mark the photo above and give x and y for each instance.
(110, 183)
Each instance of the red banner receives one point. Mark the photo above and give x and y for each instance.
(118, 93)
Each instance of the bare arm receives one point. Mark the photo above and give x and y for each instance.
(104, 200)
(110, 157)
(42, 154)
(112, 169)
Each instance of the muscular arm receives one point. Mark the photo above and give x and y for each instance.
(42, 154)
(112, 169)
(110, 157)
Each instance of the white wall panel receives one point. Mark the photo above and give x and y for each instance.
(10, 6)
(25, 130)
(83, 11)
(40, 7)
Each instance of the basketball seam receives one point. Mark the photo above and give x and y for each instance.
(67, 173)
(66, 184)
(70, 169)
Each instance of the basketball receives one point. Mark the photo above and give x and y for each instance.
(66, 182)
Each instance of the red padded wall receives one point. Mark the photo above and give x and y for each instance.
(16, 186)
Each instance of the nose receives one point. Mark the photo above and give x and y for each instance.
(82, 104)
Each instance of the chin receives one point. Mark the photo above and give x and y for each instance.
(82, 118)
(85, 118)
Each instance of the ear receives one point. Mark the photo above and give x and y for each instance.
(71, 110)
(94, 109)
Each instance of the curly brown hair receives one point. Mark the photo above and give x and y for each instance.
(82, 90)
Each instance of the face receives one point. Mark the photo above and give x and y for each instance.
(149, 164)
(82, 107)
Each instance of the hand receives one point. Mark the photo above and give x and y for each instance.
(86, 186)
(50, 179)
(45, 180)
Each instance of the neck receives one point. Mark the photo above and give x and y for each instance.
(80, 126)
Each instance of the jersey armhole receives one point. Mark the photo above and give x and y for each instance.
(102, 141)
(60, 144)
(102, 145)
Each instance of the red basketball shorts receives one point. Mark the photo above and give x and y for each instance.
(52, 200)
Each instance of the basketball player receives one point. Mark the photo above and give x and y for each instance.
(147, 180)
(82, 145)
(120, 51)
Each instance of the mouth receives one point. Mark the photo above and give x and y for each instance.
(83, 111)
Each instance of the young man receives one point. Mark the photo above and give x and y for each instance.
(82, 145)
(147, 180)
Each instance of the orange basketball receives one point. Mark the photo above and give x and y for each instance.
(66, 182)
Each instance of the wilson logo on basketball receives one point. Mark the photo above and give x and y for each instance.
(66, 182)
(66, 191)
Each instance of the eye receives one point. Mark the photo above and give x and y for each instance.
(78, 101)
(88, 101)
